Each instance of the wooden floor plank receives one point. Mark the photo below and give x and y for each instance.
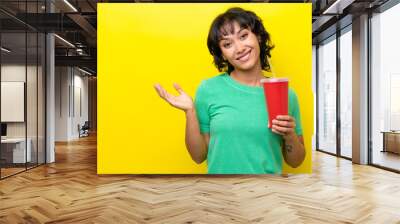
(70, 191)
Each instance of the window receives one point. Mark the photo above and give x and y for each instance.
(327, 95)
(385, 88)
(346, 93)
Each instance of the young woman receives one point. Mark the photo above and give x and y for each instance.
(228, 122)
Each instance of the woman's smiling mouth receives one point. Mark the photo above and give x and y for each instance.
(244, 57)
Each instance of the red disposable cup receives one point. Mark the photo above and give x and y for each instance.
(276, 97)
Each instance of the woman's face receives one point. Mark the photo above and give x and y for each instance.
(241, 49)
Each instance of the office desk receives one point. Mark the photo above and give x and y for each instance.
(15, 148)
(391, 141)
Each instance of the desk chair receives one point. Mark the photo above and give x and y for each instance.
(84, 130)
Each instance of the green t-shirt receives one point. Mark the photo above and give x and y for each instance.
(235, 116)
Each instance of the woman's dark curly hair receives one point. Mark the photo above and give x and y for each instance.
(223, 25)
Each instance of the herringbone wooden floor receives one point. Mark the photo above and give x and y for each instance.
(70, 191)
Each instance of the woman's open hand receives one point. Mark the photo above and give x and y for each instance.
(183, 101)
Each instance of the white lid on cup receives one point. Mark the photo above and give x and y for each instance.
(274, 80)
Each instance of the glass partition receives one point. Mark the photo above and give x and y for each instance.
(15, 151)
(22, 88)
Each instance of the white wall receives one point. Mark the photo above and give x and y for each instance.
(81, 84)
(16, 72)
(314, 90)
(62, 78)
(13, 72)
(71, 93)
(12, 101)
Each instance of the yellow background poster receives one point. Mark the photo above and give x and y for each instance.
(142, 44)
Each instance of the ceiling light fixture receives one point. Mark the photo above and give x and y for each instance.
(70, 5)
(84, 71)
(64, 40)
(5, 50)
(337, 7)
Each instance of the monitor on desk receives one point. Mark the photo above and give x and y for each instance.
(3, 130)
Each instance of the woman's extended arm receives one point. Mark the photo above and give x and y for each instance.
(196, 143)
